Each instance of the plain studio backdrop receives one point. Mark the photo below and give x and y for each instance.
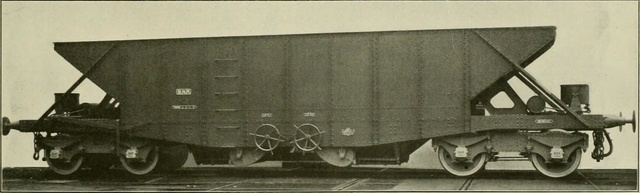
(596, 44)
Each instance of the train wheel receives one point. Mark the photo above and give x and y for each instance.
(557, 170)
(461, 168)
(341, 157)
(64, 167)
(172, 157)
(141, 167)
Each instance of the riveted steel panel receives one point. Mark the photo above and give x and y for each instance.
(486, 63)
(81, 55)
(352, 88)
(534, 122)
(265, 59)
(519, 45)
(361, 88)
(152, 75)
(443, 82)
(309, 69)
(509, 142)
(397, 56)
(309, 86)
(264, 84)
(397, 52)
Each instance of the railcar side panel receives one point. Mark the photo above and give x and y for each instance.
(220, 77)
(397, 59)
(265, 83)
(352, 90)
(443, 82)
(310, 86)
(360, 88)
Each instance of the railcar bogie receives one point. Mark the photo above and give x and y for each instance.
(554, 148)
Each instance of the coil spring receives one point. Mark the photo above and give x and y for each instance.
(598, 142)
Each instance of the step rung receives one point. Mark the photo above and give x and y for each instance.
(226, 76)
(226, 110)
(226, 93)
(228, 127)
(225, 59)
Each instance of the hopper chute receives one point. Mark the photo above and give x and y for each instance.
(97, 55)
(519, 46)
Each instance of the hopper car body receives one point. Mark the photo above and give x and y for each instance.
(343, 98)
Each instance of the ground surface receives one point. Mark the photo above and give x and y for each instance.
(299, 179)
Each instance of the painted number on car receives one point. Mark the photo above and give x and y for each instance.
(183, 91)
(544, 121)
(183, 107)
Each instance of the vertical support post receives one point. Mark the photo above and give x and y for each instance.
(331, 87)
(165, 83)
(375, 92)
(205, 73)
(202, 98)
(287, 82)
(466, 68)
(243, 88)
(203, 78)
(420, 85)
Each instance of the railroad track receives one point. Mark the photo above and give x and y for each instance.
(312, 179)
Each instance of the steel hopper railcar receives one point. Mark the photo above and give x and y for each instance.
(341, 98)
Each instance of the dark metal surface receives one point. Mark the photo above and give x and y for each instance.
(364, 81)
(69, 91)
(523, 75)
(315, 179)
(534, 122)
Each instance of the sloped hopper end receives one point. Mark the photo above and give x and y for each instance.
(84, 55)
(520, 45)
(498, 54)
